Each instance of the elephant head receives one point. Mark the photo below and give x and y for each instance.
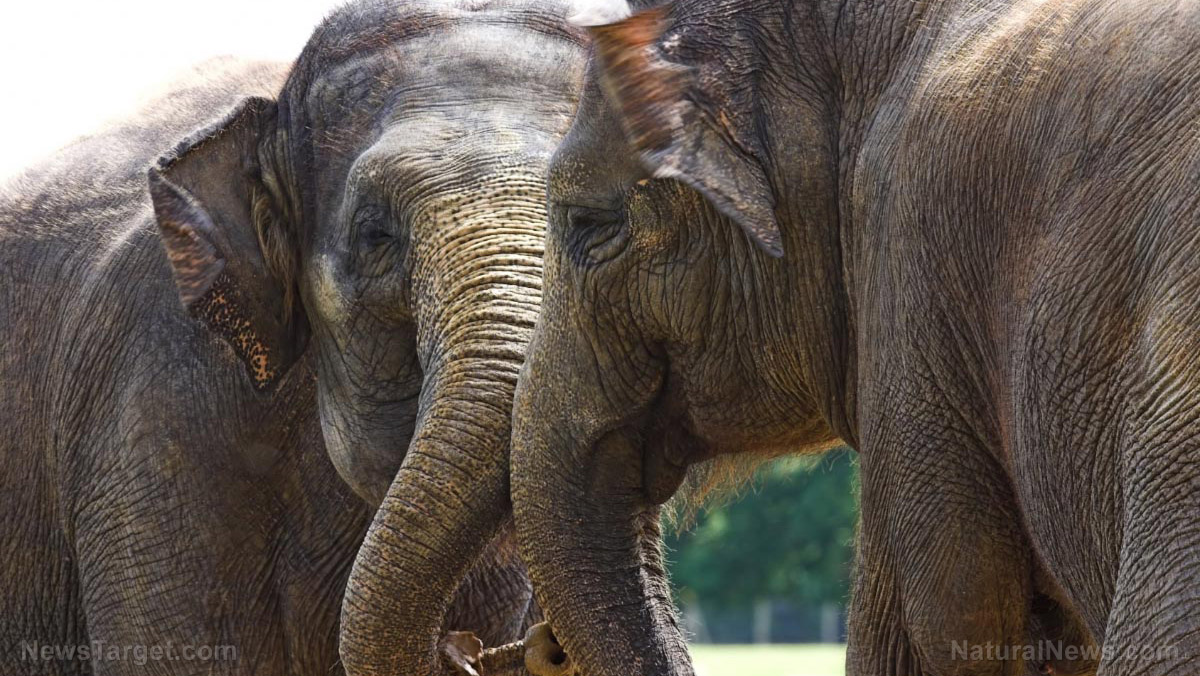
(387, 211)
(674, 342)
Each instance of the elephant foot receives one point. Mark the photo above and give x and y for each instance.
(543, 655)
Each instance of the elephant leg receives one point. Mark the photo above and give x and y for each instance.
(40, 595)
(1154, 623)
(141, 615)
(942, 582)
(495, 600)
(166, 586)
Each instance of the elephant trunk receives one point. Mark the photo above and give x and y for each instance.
(592, 541)
(451, 494)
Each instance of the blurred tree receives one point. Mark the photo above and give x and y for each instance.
(788, 538)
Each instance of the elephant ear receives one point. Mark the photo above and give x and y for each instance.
(706, 146)
(231, 253)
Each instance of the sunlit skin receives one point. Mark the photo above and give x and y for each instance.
(397, 202)
(347, 250)
(951, 235)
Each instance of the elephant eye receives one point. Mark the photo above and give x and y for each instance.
(374, 240)
(596, 235)
(591, 217)
(375, 236)
(370, 221)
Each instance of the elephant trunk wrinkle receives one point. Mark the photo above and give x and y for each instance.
(477, 305)
(448, 500)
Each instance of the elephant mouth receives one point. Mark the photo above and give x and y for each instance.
(670, 445)
(668, 452)
(672, 449)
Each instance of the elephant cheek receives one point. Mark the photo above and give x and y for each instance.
(354, 462)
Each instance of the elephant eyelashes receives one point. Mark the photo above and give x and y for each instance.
(375, 242)
(596, 235)
(591, 218)
(374, 237)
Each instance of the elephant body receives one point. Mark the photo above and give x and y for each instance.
(152, 497)
(954, 235)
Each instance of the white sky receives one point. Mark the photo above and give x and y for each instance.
(67, 66)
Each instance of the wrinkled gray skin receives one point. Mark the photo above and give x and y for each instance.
(166, 481)
(389, 202)
(987, 213)
(152, 499)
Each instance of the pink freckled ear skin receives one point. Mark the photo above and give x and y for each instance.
(184, 229)
(221, 310)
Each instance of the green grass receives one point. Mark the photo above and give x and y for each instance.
(812, 659)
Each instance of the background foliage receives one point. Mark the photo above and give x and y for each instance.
(787, 539)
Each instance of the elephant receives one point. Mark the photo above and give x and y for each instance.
(957, 236)
(160, 514)
(387, 204)
(278, 300)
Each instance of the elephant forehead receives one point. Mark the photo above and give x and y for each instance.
(468, 69)
(428, 157)
(432, 146)
(491, 58)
